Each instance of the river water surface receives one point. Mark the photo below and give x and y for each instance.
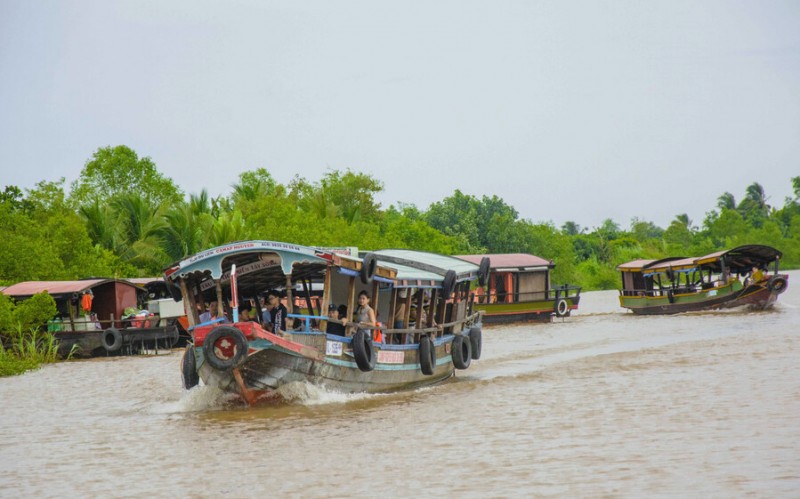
(603, 403)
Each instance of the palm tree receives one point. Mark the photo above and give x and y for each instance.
(140, 226)
(684, 220)
(726, 202)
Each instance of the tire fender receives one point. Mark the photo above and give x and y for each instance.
(237, 347)
(483, 271)
(189, 368)
(561, 307)
(461, 352)
(427, 356)
(368, 266)
(112, 339)
(476, 339)
(363, 351)
(449, 283)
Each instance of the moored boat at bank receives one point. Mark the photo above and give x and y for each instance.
(100, 317)
(433, 339)
(724, 279)
(518, 288)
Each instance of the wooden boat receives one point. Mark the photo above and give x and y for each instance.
(254, 363)
(719, 280)
(91, 317)
(519, 289)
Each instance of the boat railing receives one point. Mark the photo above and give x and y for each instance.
(676, 290)
(565, 291)
(84, 324)
(307, 328)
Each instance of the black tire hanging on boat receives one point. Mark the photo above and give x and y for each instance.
(461, 352)
(427, 356)
(449, 283)
(777, 284)
(112, 340)
(189, 374)
(670, 296)
(363, 351)
(483, 271)
(239, 342)
(476, 339)
(561, 307)
(368, 266)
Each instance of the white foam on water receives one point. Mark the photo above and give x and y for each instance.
(310, 394)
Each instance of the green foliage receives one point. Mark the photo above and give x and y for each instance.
(113, 171)
(23, 344)
(123, 218)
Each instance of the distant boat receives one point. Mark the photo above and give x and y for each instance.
(518, 289)
(252, 362)
(92, 320)
(724, 279)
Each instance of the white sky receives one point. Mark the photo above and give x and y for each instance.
(568, 110)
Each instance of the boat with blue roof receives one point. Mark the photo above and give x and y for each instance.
(426, 328)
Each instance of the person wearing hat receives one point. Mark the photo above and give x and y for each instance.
(334, 327)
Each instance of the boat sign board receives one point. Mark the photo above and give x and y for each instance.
(391, 357)
(333, 348)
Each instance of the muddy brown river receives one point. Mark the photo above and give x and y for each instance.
(602, 404)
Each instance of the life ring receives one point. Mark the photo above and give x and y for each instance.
(483, 271)
(368, 266)
(112, 339)
(225, 348)
(476, 339)
(561, 307)
(427, 356)
(189, 368)
(461, 352)
(777, 284)
(363, 351)
(449, 283)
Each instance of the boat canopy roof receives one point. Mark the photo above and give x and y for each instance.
(634, 265)
(210, 260)
(421, 265)
(510, 261)
(673, 263)
(60, 289)
(740, 259)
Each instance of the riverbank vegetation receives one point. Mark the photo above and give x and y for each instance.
(23, 344)
(123, 218)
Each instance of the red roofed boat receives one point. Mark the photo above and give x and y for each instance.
(519, 289)
(91, 316)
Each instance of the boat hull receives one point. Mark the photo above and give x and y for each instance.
(273, 362)
(536, 311)
(757, 296)
(90, 343)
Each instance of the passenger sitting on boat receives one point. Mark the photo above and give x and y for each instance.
(365, 315)
(278, 312)
(206, 316)
(757, 275)
(333, 327)
(400, 309)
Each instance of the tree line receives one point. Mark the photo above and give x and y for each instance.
(123, 218)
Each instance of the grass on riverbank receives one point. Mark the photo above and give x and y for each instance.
(25, 351)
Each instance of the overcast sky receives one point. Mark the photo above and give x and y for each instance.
(568, 110)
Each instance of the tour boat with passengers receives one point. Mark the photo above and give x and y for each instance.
(519, 289)
(724, 279)
(425, 330)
